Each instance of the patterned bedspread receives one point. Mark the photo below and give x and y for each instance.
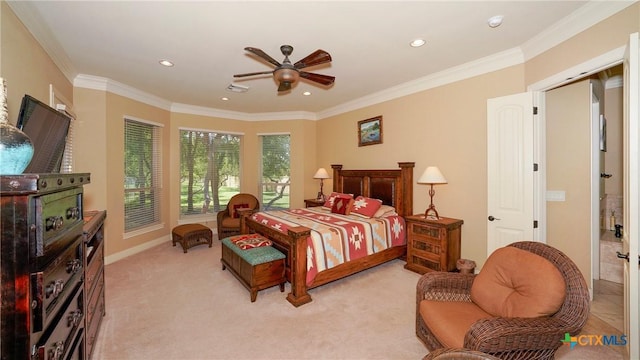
(336, 239)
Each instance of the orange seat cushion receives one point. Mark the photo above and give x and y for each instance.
(449, 321)
(517, 283)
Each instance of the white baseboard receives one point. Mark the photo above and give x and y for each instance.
(136, 249)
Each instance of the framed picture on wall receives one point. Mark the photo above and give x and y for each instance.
(370, 131)
(603, 133)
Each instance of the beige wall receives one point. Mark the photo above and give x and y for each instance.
(444, 126)
(26, 67)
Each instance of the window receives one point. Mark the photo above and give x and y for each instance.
(209, 171)
(276, 171)
(142, 174)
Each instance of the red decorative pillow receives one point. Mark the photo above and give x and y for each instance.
(234, 211)
(365, 207)
(329, 203)
(342, 205)
(250, 241)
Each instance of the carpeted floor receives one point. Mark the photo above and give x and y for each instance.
(164, 304)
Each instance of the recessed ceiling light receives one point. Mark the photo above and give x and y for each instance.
(166, 63)
(306, 93)
(495, 21)
(224, 98)
(417, 43)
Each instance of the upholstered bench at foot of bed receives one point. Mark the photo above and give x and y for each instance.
(190, 235)
(257, 268)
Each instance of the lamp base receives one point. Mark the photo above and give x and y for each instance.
(434, 213)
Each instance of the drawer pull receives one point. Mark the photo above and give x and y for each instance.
(74, 318)
(73, 213)
(57, 352)
(54, 223)
(74, 266)
(55, 288)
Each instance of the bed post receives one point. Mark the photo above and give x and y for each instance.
(406, 171)
(337, 184)
(298, 254)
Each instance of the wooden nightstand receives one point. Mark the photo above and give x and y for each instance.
(313, 202)
(432, 245)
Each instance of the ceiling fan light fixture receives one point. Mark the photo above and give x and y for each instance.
(286, 75)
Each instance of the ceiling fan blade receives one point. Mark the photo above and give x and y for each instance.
(263, 55)
(319, 78)
(284, 86)
(316, 58)
(254, 73)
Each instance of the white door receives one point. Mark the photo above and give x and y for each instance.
(631, 231)
(510, 168)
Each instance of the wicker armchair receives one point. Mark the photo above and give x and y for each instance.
(229, 220)
(458, 354)
(511, 338)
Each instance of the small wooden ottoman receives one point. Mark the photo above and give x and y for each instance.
(257, 268)
(190, 235)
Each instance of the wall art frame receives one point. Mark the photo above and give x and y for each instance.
(370, 131)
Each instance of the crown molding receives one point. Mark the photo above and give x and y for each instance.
(473, 68)
(578, 21)
(33, 22)
(105, 84)
(237, 115)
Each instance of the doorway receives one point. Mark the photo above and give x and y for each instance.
(584, 163)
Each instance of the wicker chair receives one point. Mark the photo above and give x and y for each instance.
(458, 354)
(511, 338)
(228, 219)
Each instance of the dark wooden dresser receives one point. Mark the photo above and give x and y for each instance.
(93, 249)
(43, 265)
(432, 245)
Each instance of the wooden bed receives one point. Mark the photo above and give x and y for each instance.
(394, 187)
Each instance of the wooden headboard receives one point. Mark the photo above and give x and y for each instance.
(394, 187)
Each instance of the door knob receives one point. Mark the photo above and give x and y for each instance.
(491, 218)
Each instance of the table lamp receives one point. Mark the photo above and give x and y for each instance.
(321, 174)
(431, 176)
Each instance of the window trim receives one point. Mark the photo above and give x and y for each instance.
(159, 186)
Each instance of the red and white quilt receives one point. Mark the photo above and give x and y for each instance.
(336, 239)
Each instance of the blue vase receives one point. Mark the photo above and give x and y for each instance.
(16, 150)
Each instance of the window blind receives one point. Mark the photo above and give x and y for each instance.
(276, 171)
(142, 174)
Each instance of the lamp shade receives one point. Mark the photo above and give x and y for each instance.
(321, 174)
(432, 175)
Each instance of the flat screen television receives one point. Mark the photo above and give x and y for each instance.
(47, 128)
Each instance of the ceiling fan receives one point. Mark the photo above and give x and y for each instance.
(286, 74)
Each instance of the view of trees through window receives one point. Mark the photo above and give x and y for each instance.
(209, 171)
(141, 170)
(276, 172)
